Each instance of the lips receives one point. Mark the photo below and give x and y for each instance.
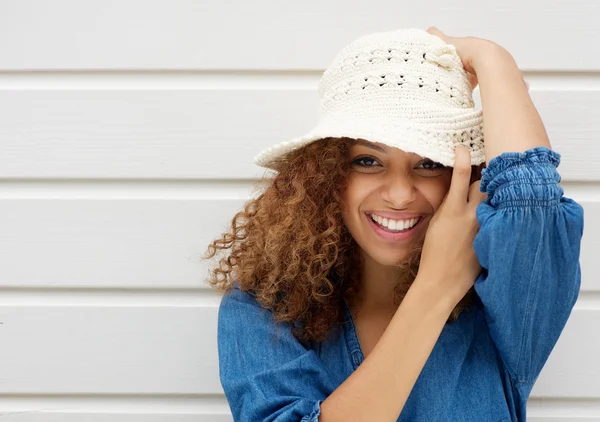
(393, 225)
(397, 230)
(389, 236)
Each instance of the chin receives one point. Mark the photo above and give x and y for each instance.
(389, 258)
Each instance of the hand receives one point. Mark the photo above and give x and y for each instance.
(449, 265)
(470, 50)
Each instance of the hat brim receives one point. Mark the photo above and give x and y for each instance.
(426, 141)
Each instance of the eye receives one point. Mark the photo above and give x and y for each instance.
(360, 161)
(431, 165)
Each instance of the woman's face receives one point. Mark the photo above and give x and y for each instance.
(400, 190)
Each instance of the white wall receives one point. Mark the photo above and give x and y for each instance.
(117, 120)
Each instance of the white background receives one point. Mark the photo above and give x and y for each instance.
(127, 132)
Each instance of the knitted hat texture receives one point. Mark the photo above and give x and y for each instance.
(404, 88)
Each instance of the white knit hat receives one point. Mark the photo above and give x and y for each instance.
(405, 88)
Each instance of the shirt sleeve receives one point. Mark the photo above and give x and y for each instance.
(266, 373)
(528, 246)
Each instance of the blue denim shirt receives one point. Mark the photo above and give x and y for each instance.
(484, 365)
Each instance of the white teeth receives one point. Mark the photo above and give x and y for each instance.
(394, 224)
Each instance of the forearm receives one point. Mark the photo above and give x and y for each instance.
(380, 386)
(511, 122)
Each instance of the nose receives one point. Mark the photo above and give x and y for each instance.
(399, 191)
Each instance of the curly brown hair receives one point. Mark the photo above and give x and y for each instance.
(290, 248)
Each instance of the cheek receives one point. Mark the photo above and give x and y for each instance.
(353, 190)
(354, 194)
(434, 190)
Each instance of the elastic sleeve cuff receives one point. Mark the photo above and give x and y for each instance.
(523, 178)
(314, 415)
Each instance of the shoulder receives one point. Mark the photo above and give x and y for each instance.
(240, 309)
(238, 302)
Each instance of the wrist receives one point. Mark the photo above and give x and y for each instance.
(491, 55)
(431, 291)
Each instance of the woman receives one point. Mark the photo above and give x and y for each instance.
(374, 279)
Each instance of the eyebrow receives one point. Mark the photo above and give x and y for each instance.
(370, 145)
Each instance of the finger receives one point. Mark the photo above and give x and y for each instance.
(434, 31)
(461, 176)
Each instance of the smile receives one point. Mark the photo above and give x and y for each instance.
(394, 230)
(395, 225)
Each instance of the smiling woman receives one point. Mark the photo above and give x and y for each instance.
(307, 220)
(384, 273)
(389, 200)
(394, 186)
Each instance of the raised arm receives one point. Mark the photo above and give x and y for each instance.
(530, 234)
(511, 121)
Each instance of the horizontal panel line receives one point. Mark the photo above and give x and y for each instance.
(582, 191)
(104, 403)
(179, 189)
(128, 188)
(159, 79)
(563, 81)
(130, 297)
(215, 398)
(71, 403)
(159, 297)
(235, 79)
(548, 410)
(588, 300)
(555, 407)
